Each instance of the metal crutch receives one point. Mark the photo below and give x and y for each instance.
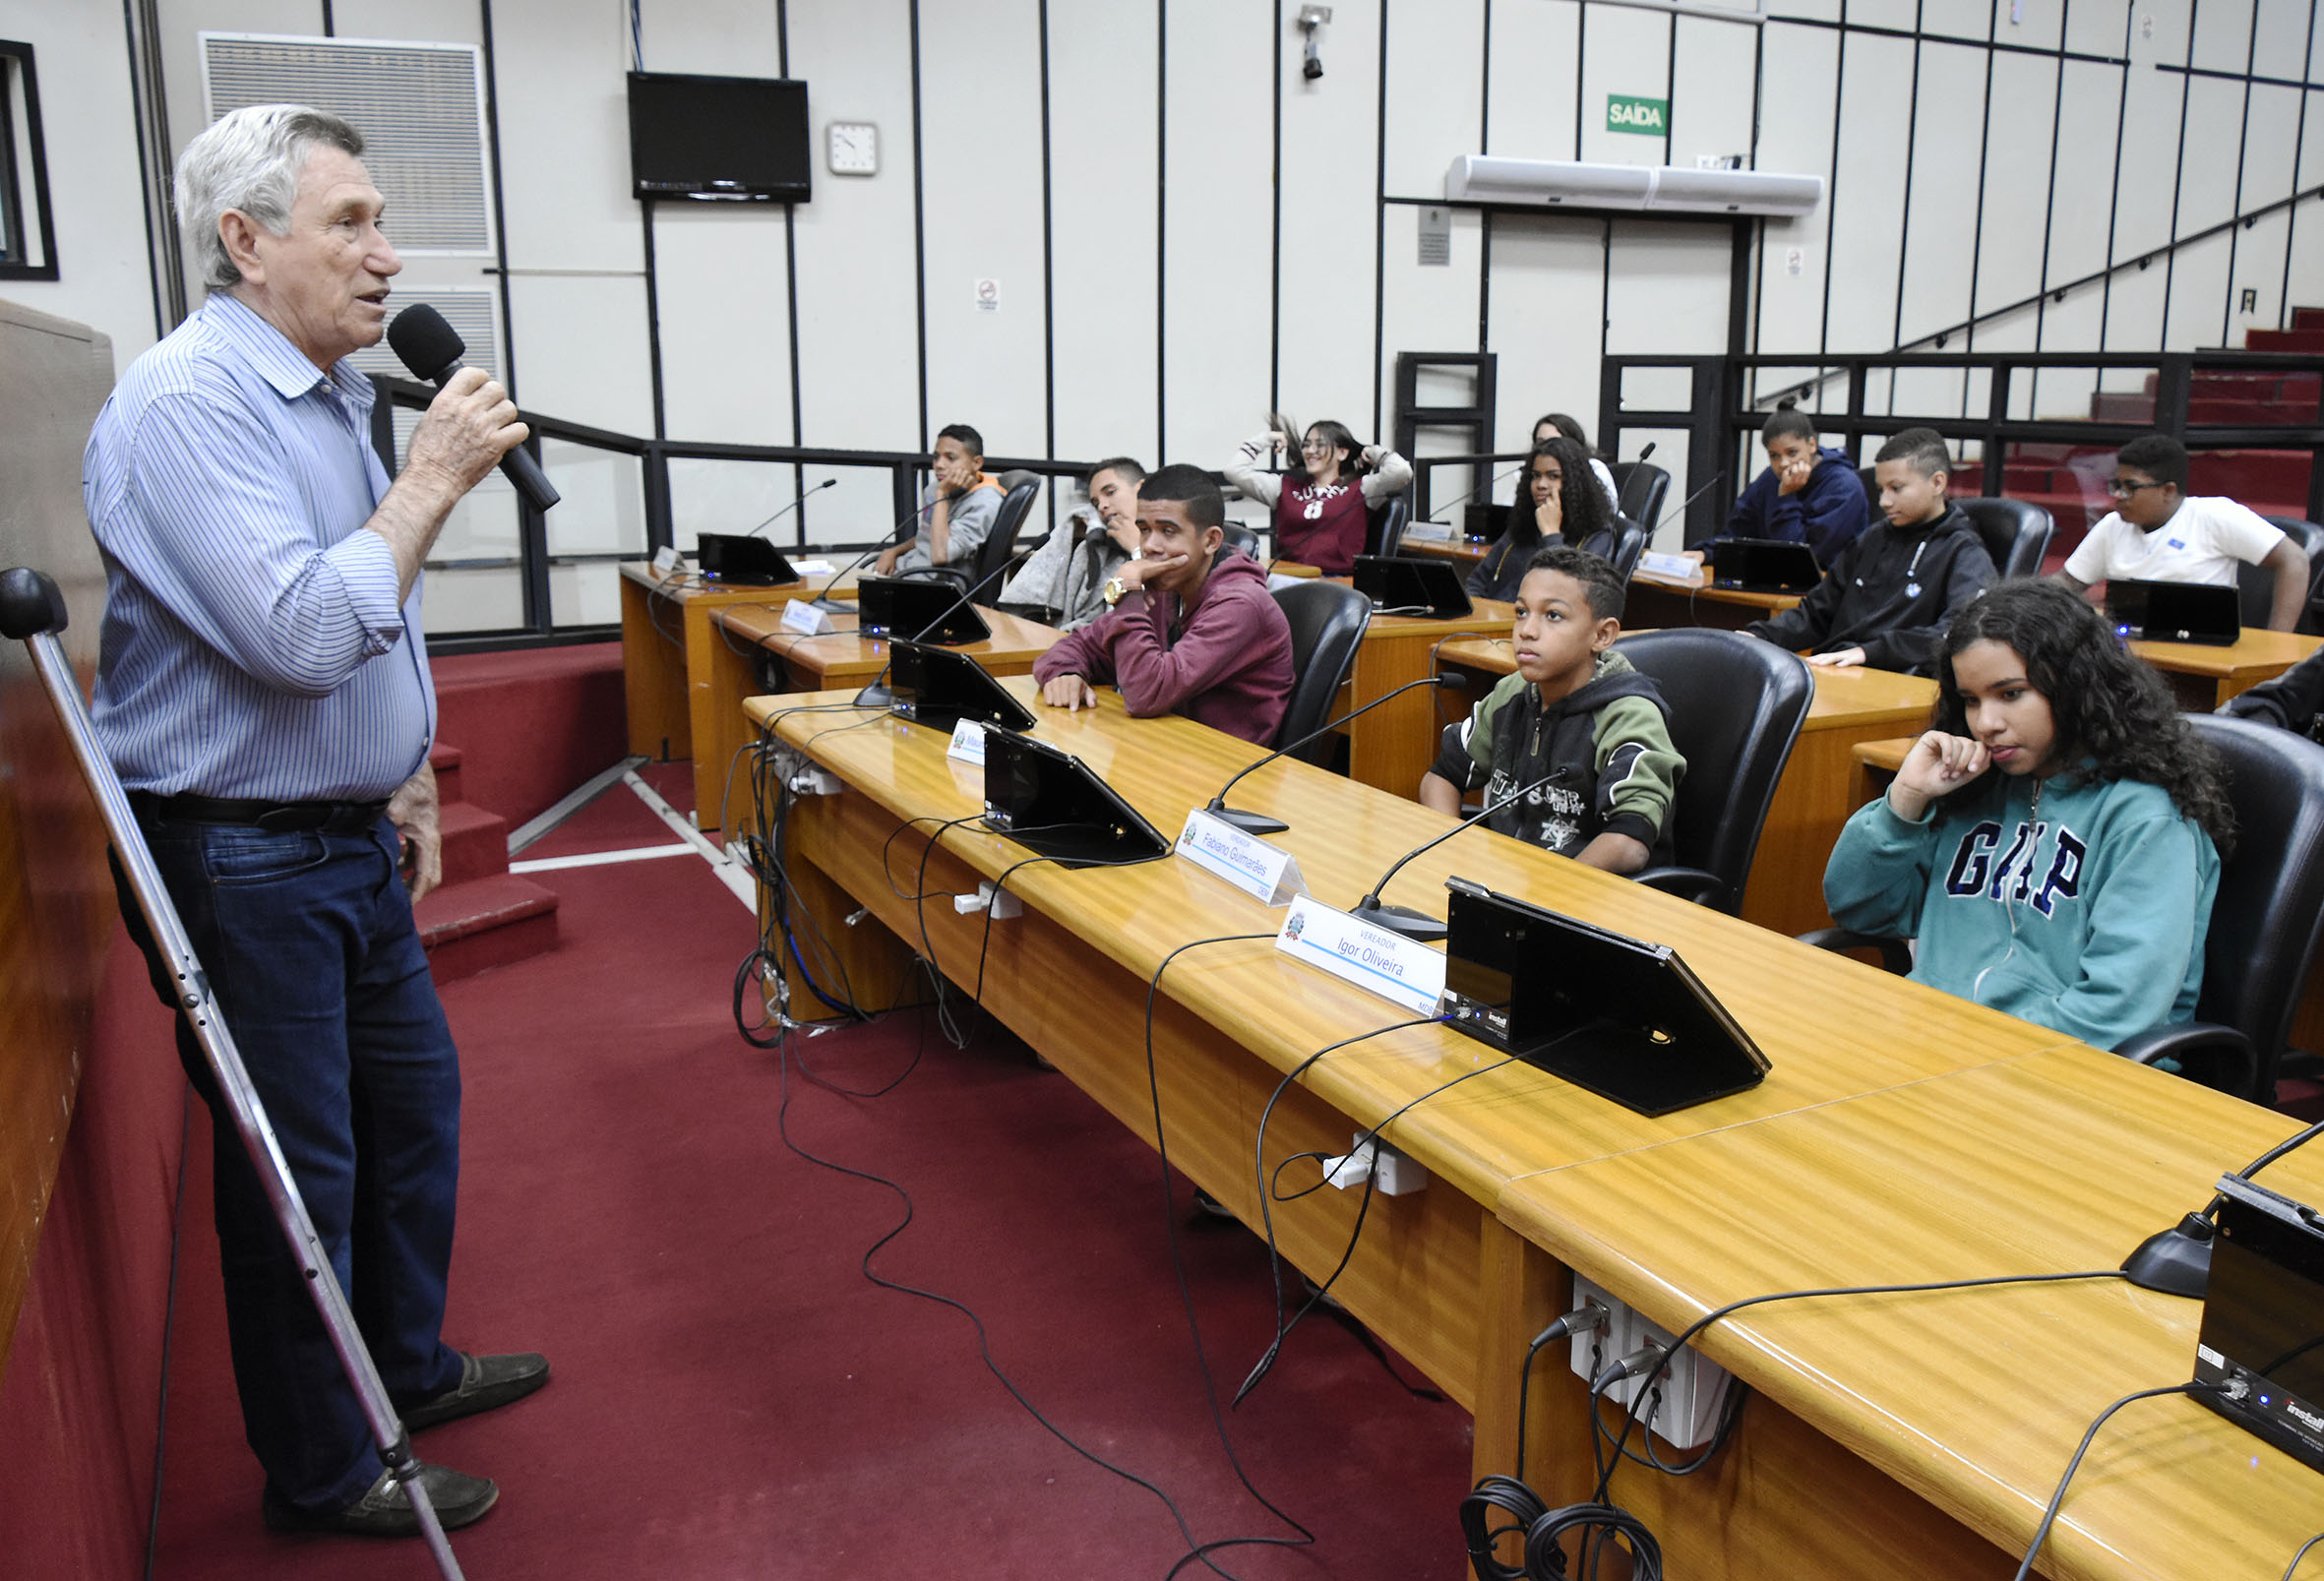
(33, 611)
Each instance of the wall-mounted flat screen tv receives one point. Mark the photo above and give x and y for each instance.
(720, 139)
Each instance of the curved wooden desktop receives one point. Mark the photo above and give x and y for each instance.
(1900, 1133)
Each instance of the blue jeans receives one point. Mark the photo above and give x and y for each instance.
(308, 943)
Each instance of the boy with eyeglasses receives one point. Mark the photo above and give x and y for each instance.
(2159, 532)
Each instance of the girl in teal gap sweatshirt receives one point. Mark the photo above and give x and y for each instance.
(2054, 841)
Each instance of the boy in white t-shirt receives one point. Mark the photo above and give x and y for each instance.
(2158, 532)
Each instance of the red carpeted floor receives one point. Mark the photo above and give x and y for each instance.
(731, 1396)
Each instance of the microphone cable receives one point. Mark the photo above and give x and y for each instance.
(2302, 1555)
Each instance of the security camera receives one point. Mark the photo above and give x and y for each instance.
(1311, 21)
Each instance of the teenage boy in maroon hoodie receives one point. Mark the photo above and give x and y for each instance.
(1192, 629)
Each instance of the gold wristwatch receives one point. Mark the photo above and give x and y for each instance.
(1114, 591)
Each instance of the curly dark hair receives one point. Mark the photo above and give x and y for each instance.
(1586, 512)
(2111, 712)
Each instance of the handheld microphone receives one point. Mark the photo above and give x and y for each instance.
(877, 695)
(1259, 822)
(431, 348)
(826, 483)
(1419, 924)
(823, 600)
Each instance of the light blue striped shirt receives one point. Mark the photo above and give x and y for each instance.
(252, 645)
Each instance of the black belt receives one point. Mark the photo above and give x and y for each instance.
(331, 817)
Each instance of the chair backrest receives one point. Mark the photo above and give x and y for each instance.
(1000, 542)
(1639, 489)
(2015, 534)
(1629, 542)
(1240, 536)
(1384, 533)
(2257, 583)
(1736, 705)
(2270, 910)
(1327, 625)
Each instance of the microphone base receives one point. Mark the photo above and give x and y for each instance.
(1247, 823)
(875, 695)
(1401, 920)
(2175, 1261)
(831, 606)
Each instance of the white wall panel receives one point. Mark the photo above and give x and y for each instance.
(2280, 36)
(1901, 15)
(2070, 325)
(1711, 91)
(1948, 140)
(1867, 192)
(982, 163)
(1667, 288)
(2166, 42)
(582, 350)
(2223, 35)
(1436, 89)
(1547, 282)
(2270, 146)
(1530, 115)
(1822, 10)
(723, 287)
(2210, 154)
(436, 22)
(2090, 98)
(2150, 156)
(2011, 227)
(1330, 226)
(1217, 237)
(2259, 268)
(1623, 51)
(1957, 19)
(1801, 68)
(80, 54)
(2135, 311)
(2040, 24)
(1431, 308)
(859, 352)
(565, 139)
(2099, 30)
(2198, 292)
(1102, 140)
(712, 37)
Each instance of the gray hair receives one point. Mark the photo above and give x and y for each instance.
(250, 160)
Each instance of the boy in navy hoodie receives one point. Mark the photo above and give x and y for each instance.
(1582, 734)
(1809, 493)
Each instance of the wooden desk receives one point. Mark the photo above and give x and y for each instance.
(667, 648)
(749, 636)
(1658, 602)
(1390, 748)
(1461, 551)
(2204, 677)
(1818, 791)
(1923, 1434)
(1070, 976)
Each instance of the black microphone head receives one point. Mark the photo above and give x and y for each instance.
(1648, 451)
(428, 345)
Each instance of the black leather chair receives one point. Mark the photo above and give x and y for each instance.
(1735, 707)
(999, 544)
(2264, 924)
(1327, 625)
(1628, 543)
(1238, 536)
(2015, 534)
(1639, 489)
(1385, 533)
(2257, 583)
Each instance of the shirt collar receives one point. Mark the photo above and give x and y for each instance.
(271, 353)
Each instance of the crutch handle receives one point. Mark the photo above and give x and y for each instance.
(30, 605)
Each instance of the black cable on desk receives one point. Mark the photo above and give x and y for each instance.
(2049, 1515)
(2302, 1555)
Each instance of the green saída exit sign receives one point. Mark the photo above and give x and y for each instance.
(1647, 117)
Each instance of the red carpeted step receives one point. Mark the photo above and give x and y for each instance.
(2305, 339)
(475, 842)
(446, 761)
(486, 921)
(531, 723)
(2121, 406)
(2307, 318)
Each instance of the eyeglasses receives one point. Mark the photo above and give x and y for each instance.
(1315, 447)
(2124, 491)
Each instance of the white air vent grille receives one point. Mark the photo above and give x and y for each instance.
(420, 108)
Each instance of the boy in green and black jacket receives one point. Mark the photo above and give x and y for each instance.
(1576, 734)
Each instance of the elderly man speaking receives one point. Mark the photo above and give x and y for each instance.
(264, 693)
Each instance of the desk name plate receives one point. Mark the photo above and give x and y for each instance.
(1403, 971)
(1268, 872)
(968, 742)
(800, 615)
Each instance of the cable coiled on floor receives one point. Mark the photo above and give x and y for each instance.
(1544, 1528)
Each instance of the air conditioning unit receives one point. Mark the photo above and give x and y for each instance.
(1663, 189)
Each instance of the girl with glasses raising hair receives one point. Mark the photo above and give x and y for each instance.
(1321, 509)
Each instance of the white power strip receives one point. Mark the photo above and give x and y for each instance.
(1390, 1172)
(1692, 1391)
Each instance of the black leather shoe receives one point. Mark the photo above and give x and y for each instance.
(386, 1509)
(485, 1381)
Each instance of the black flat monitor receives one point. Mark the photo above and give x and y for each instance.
(936, 687)
(1615, 1015)
(1761, 566)
(1417, 587)
(2174, 612)
(1054, 803)
(2263, 1319)
(741, 561)
(919, 609)
(720, 139)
